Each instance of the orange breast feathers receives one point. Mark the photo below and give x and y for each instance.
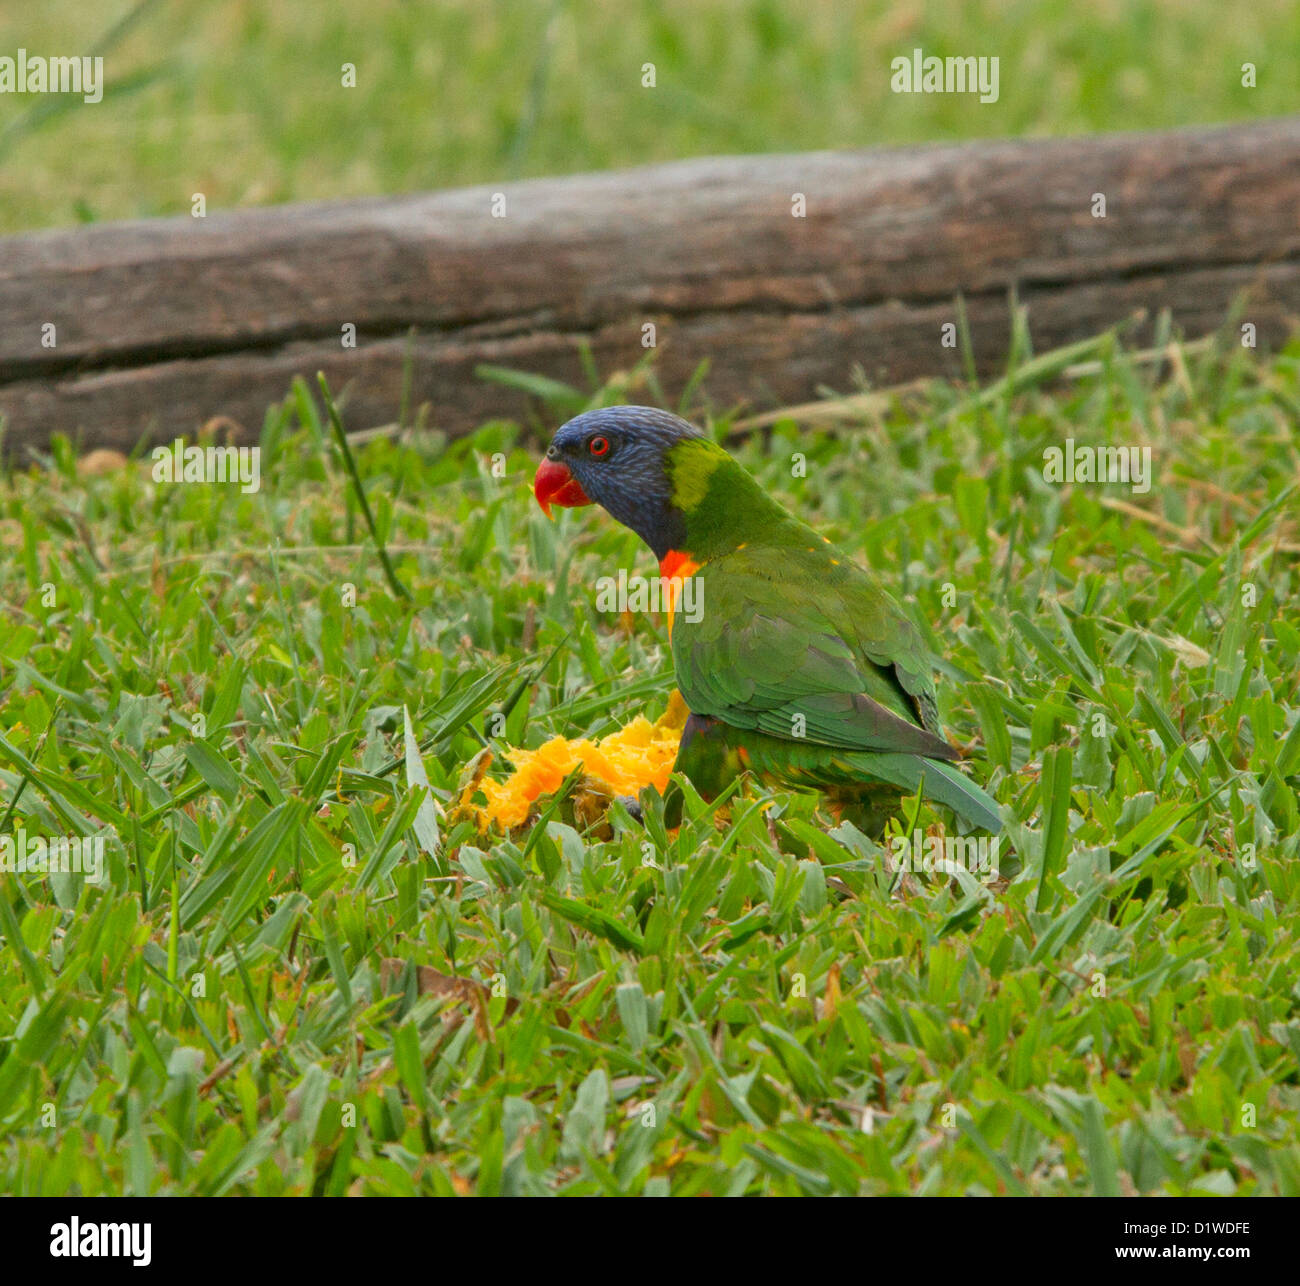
(675, 566)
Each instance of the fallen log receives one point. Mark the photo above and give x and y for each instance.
(787, 273)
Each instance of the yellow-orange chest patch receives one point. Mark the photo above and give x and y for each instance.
(675, 567)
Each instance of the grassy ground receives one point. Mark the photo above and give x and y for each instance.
(756, 1008)
(243, 100)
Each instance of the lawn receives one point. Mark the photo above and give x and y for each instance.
(220, 684)
(304, 971)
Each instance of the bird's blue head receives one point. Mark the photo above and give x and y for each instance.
(615, 457)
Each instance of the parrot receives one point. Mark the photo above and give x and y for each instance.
(799, 669)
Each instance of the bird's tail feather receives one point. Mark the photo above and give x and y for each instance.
(938, 781)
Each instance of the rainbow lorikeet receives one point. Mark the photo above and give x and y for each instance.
(798, 667)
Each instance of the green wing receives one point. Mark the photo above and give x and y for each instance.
(712, 753)
(802, 645)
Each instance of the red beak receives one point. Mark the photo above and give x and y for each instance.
(555, 485)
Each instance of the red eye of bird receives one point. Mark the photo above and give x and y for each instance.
(598, 446)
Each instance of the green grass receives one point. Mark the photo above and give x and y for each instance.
(759, 1009)
(243, 100)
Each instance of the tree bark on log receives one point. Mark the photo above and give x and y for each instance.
(160, 325)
